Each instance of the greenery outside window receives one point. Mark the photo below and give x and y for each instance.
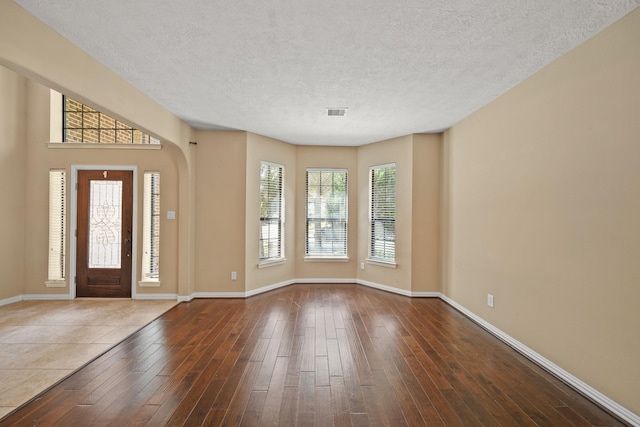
(326, 213)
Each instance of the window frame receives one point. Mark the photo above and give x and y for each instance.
(118, 127)
(151, 217)
(57, 256)
(384, 222)
(278, 220)
(344, 204)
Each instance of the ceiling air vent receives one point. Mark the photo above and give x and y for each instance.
(336, 112)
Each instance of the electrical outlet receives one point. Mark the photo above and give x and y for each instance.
(234, 275)
(490, 300)
(362, 266)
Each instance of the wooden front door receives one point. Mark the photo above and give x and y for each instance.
(105, 233)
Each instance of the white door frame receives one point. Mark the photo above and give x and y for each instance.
(73, 208)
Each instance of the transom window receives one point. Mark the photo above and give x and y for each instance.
(382, 244)
(326, 223)
(83, 124)
(271, 212)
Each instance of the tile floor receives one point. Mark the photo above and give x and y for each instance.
(41, 342)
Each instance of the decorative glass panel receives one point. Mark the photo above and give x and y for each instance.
(105, 224)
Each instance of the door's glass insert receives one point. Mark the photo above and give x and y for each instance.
(105, 224)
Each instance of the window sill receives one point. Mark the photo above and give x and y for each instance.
(315, 258)
(84, 146)
(382, 263)
(149, 283)
(56, 283)
(271, 262)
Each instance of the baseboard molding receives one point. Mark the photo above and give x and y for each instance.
(384, 287)
(11, 300)
(584, 388)
(332, 281)
(46, 297)
(269, 288)
(156, 297)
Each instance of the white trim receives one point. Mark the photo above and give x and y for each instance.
(11, 300)
(185, 298)
(171, 297)
(56, 283)
(271, 262)
(584, 388)
(269, 288)
(218, 295)
(88, 145)
(149, 283)
(384, 287)
(333, 280)
(73, 221)
(426, 295)
(46, 297)
(318, 258)
(381, 262)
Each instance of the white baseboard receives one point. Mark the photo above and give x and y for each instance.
(217, 295)
(269, 288)
(46, 297)
(10, 300)
(384, 287)
(156, 297)
(331, 281)
(426, 294)
(584, 388)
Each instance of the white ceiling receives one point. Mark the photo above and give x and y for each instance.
(272, 67)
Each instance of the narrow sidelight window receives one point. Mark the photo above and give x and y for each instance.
(151, 227)
(382, 244)
(271, 212)
(57, 220)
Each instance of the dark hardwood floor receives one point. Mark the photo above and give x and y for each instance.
(325, 355)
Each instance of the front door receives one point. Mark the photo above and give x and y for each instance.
(105, 218)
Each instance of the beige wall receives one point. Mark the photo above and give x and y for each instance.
(330, 158)
(544, 212)
(13, 114)
(220, 211)
(260, 148)
(426, 203)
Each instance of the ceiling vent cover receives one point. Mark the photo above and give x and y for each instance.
(336, 112)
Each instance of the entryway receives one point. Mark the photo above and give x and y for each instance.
(105, 234)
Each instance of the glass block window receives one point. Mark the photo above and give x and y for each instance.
(83, 124)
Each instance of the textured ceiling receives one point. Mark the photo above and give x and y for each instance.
(272, 67)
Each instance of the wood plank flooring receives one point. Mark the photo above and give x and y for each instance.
(312, 355)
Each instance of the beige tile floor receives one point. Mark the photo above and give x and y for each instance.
(41, 342)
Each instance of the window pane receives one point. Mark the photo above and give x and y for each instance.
(271, 211)
(57, 220)
(82, 123)
(151, 227)
(383, 212)
(105, 224)
(326, 227)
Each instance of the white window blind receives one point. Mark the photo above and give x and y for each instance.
(271, 211)
(326, 225)
(57, 220)
(383, 213)
(151, 227)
